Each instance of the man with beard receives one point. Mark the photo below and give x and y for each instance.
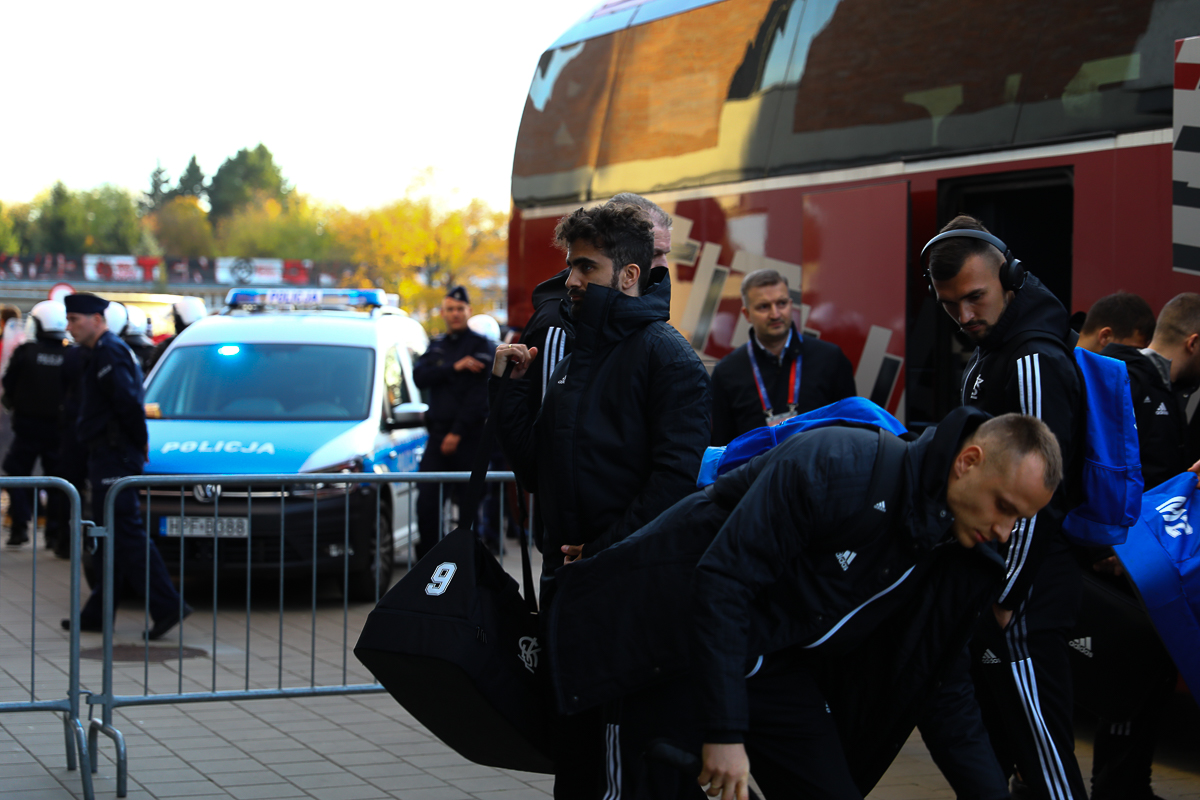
(1023, 363)
(618, 438)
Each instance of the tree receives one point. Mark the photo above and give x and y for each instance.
(182, 228)
(191, 182)
(267, 228)
(112, 224)
(10, 242)
(158, 194)
(422, 251)
(243, 178)
(59, 222)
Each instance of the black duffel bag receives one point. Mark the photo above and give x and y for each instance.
(456, 645)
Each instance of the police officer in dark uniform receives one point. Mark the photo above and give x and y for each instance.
(33, 391)
(112, 424)
(453, 375)
(135, 335)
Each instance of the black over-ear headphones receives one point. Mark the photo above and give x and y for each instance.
(1012, 274)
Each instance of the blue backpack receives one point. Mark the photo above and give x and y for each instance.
(1111, 484)
(853, 410)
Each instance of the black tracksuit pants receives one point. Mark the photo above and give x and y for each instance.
(1023, 682)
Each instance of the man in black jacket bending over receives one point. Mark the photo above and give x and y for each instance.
(622, 427)
(1023, 362)
(776, 581)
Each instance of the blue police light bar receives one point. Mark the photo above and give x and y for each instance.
(356, 298)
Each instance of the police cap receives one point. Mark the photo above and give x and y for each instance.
(85, 303)
(459, 293)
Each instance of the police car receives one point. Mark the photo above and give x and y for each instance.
(288, 381)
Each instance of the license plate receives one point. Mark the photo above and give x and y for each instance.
(224, 527)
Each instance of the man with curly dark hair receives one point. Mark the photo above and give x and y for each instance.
(618, 438)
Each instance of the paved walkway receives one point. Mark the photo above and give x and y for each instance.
(334, 748)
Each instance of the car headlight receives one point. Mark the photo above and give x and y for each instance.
(328, 488)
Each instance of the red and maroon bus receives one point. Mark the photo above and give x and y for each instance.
(831, 138)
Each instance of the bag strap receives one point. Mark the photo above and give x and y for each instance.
(887, 476)
(475, 487)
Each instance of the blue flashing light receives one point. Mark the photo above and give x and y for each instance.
(229, 350)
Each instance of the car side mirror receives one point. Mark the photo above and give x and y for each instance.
(408, 415)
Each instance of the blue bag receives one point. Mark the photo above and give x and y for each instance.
(1162, 556)
(854, 410)
(1111, 483)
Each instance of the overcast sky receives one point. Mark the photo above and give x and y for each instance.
(354, 98)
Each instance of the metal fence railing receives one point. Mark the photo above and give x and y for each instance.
(220, 536)
(41, 687)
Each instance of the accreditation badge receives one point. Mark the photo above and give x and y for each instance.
(775, 419)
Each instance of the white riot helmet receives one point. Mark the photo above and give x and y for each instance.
(485, 326)
(188, 310)
(138, 321)
(116, 316)
(47, 318)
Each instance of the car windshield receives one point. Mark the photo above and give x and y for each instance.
(264, 382)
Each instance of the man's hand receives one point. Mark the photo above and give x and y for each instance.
(146, 452)
(1003, 615)
(450, 444)
(726, 771)
(1196, 469)
(1109, 566)
(521, 356)
(469, 363)
(573, 552)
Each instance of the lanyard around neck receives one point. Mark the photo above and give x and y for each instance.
(794, 379)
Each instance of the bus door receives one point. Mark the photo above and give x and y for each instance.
(1033, 212)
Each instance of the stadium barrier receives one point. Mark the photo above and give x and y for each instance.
(308, 660)
(21, 596)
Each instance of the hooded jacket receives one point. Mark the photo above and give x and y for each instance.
(1160, 415)
(622, 427)
(1026, 365)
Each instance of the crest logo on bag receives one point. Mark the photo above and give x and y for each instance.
(1174, 514)
(529, 652)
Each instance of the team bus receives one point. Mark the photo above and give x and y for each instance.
(831, 139)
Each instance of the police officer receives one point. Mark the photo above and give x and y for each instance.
(135, 335)
(453, 375)
(112, 424)
(186, 310)
(33, 391)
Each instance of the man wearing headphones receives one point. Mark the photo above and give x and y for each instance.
(1023, 362)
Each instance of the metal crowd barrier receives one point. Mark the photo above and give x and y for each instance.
(76, 744)
(329, 669)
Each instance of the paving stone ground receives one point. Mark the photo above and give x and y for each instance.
(355, 747)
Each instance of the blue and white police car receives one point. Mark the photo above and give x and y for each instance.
(288, 381)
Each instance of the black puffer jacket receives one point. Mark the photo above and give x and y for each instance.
(622, 427)
(1027, 365)
(1161, 417)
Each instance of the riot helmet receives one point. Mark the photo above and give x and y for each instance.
(48, 318)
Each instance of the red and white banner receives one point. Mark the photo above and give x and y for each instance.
(128, 269)
(247, 271)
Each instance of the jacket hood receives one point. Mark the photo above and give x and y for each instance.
(928, 468)
(554, 288)
(1137, 362)
(1034, 307)
(606, 315)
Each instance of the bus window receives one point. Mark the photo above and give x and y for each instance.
(687, 106)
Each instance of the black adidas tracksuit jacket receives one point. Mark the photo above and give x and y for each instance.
(1160, 414)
